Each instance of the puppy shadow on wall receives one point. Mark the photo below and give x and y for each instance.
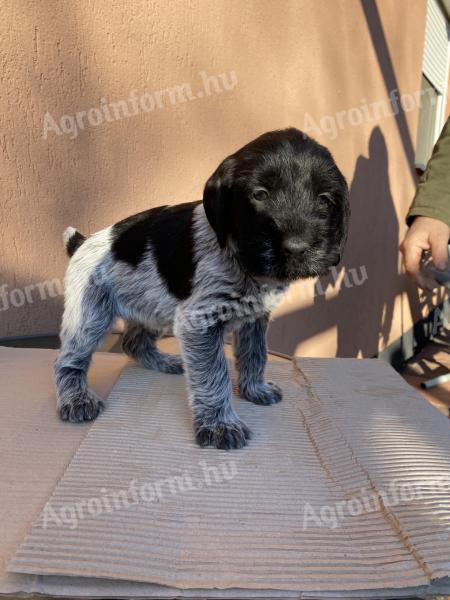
(357, 297)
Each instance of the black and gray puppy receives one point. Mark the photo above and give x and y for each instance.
(275, 211)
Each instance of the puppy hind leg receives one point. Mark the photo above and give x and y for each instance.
(75, 401)
(140, 343)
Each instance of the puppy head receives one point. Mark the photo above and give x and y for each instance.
(281, 205)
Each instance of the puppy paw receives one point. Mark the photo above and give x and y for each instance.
(262, 393)
(164, 363)
(85, 406)
(170, 363)
(224, 435)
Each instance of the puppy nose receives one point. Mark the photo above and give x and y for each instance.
(295, 246)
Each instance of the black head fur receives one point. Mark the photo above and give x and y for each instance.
(281, 205)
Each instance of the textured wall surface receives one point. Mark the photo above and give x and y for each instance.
(70, 158)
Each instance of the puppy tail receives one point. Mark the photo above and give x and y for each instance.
(72, 240)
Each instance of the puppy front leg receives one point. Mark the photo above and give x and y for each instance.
(251, 356)
(215, 421)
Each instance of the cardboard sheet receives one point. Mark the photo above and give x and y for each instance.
(316, 506)
(35, 446)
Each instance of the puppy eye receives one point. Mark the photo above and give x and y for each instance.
(326, 197)
(260, 194)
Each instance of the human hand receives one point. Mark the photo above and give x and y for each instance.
(425, 234)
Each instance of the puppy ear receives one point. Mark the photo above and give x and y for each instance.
(217, 199)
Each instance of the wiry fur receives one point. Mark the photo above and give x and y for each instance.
(244, 246)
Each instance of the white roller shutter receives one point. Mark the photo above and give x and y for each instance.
(434, 81)
(435, 57)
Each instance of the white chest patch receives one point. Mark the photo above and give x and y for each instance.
(272, 297)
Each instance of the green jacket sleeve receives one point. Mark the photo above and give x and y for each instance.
(432, 197)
